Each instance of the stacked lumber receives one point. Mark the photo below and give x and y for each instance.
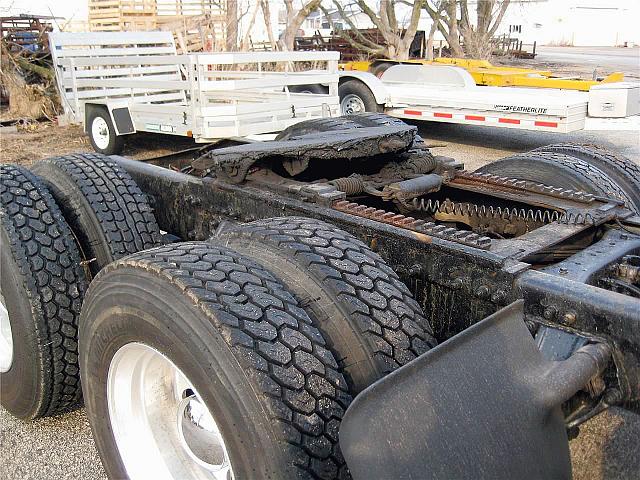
(197, 25)
(122, 15)
(201, 33)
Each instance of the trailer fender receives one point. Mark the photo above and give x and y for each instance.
(374, 84)
(120, 117)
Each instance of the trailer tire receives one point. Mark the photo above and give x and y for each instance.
(380, 67)
(311, 88)
(250, 355)
(41, 289)
(106, 209)
(102, 133)
(356, 97)
(365, 312)
(622, 170)
(558, 170)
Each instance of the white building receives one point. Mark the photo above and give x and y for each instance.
(580, 23)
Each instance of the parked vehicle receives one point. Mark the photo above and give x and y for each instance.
(120, 83)
(335, 303)
(452, 94)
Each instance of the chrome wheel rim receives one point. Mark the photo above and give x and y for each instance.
(161, 426)
(351, 104)
(6, 338)
(100, 132)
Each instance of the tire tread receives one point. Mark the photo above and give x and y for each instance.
(384, 311)
(49, 260)
(272, 338)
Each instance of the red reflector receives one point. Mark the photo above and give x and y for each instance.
(412, 112)
(443, 115)
(474, 117)
(509, 120)
(546, 124)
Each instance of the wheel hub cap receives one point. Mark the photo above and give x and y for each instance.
(6, 338)
(351, 104)
(161, 426)
(100, 132)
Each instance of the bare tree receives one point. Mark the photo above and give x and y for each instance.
(266, 12)
(295, 17)
(439, 7)
(477, 37)
(397, 36)
(231, 18)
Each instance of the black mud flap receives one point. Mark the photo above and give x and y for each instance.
(483, 405)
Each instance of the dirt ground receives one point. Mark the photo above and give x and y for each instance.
(36, 141)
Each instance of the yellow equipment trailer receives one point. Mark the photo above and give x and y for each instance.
(485, 73)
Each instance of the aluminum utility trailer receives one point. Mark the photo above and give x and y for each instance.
(121, 83)
(449, 94)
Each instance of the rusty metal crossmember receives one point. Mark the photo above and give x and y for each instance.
(416, 225)
(515, 183)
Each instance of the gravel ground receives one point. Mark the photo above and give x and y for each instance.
(62, 447)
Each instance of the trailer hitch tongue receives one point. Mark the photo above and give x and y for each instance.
(484, 404)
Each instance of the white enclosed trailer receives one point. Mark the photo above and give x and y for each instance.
(121, 83)
(443, 93)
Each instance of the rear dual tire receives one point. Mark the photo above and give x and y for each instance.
(105, 208)
(274, 347)
(561, 170)
(42, 283)
(254, 357)
(58, 231)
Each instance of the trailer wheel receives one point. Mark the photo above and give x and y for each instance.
(366, 313)
(622, 170)
(356, 97)
(102, 133)
(197, 363)
(107, 211)
(42, 284)
(558, 170)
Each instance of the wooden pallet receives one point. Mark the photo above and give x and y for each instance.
(201, 33)
(147, 15)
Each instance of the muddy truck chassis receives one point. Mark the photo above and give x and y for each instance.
(337, 303)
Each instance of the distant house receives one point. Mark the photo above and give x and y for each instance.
(318, 21)
(580, 23)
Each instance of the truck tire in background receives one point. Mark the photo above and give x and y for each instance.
(356, 97)
(102, 133)
(105, 208)
(559, 170)
(364, 311)
(41, 289)
(625, 172)
(192, 354)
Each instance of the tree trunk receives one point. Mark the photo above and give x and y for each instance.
(232, 25)
(432, 33)
(294, 21)
(266, 12)
(244, 45)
